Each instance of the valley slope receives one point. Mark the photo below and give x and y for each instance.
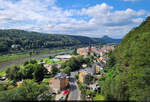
(12, 39)
(128, 67)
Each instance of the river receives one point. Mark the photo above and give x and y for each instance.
(20, 61)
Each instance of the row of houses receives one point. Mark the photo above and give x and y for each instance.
(101, 58)
(96, 68)
(57, 58)
(95, 51)
(60, 81)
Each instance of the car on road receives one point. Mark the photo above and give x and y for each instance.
(62, 98)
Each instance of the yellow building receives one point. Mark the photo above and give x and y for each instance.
(82, 76)
(98, 68)
(60, 82)
(86, 71)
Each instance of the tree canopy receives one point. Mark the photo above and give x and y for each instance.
(19, 40)
(30, 70)
(128, 73)
(27, 91)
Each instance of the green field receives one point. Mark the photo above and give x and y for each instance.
(49, 61)
(8, 57)
(46, 60)
(2, 73)
(98, 97)
(46, 80)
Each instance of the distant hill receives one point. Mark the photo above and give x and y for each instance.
(128, 76)
(107, 39)
(13, 39)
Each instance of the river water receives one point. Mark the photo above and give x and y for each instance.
(20, 61)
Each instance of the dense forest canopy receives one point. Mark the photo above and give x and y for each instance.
(128, 67)
(13, 39)
(23, 40)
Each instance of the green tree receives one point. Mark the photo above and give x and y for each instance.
(74, 64)
(2, 87)
(25, 63)
(3, 47)
(27, 91)
(77, 76)
(9, 95)
(28, 71)
(33, 61)
(89, 92)
(30, 90)
(54, 70)
(88, 79)
(74, 51)
(33, 40)
(67, 70)
(10, 83)
(87, 60)
(63, 65)
(39, 72)
(128, 77)
(14, 73)
(101, 81)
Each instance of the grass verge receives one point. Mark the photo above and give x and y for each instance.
(8, 57)
(98, 97)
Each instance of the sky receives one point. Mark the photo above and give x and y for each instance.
(92, 18)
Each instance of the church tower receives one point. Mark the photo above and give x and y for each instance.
(89, 48)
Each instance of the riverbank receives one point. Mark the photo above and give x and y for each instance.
(20, 61)
(9, 57)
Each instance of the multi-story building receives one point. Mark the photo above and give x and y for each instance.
(60, 82)
(98, 66)
(82, 76)
(63, 57)
(83, 51)
(84, 72)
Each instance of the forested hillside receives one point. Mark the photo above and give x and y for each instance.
(128, 67)
(22, 40)
(107, 39)
(11, 40)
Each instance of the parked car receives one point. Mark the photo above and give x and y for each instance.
(62, 98)
(53, 94)
(2, 78)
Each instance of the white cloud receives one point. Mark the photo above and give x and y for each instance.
(114, 22)
(97, 10)
(45, 16)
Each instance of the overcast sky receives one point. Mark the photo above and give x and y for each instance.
(93, 18)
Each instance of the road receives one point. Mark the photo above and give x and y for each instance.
(74, 95)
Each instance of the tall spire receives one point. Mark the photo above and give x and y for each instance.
(89, 44)
(89, 48)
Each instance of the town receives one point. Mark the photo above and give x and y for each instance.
(69, 76)
(74, 50)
